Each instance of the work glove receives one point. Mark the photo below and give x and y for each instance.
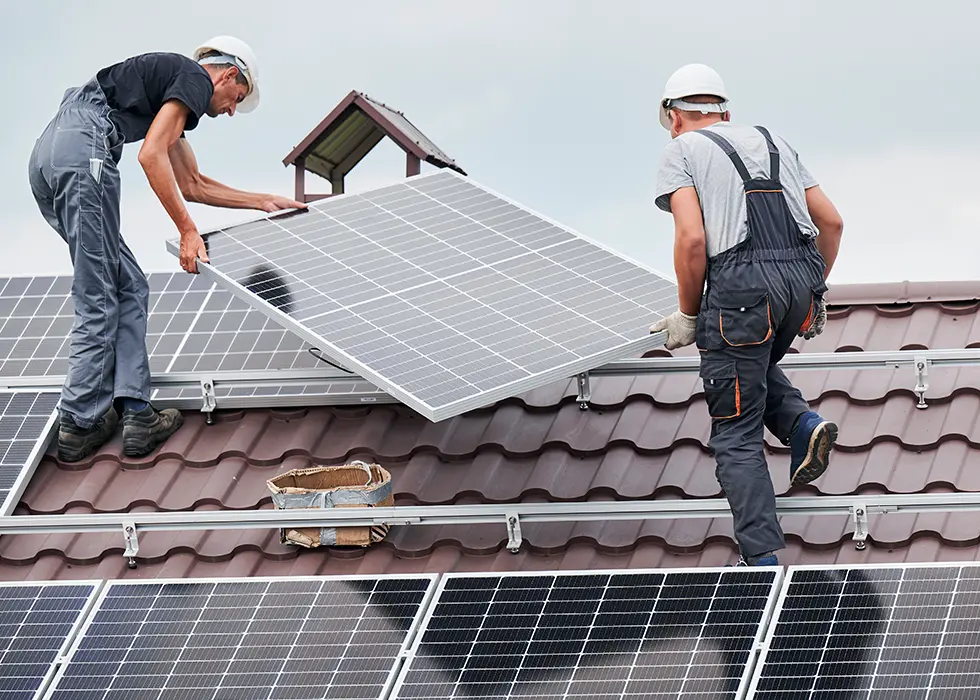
(680, 329)
(819, 321)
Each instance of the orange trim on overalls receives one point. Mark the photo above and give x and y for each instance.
(738, 402)
(808, 321)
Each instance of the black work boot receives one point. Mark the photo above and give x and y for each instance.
(76, 443)
(145, 429)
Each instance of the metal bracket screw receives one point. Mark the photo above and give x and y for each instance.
(860, 514)
(132, 544)
(584, 391)
(921, 367)
(210, 400)
(514, 537)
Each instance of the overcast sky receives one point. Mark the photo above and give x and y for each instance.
(551, 102)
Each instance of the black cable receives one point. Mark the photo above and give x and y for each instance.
(316, 353)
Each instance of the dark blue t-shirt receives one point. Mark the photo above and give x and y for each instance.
(137, 88)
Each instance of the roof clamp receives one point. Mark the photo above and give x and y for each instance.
(132, 543)
(584, 391)
(514, 537)
(860, 514)
(210, 400)
(921, 366)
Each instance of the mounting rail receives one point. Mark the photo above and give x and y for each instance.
(511, 516)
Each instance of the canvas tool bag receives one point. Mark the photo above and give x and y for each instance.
(353, 485)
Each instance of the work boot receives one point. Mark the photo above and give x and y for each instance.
(146, 428)
(76, 443)
(811, 443)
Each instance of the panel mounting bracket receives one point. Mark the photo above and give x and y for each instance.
(584, 391)
(514, 537)
(860, 514)
(921, 366)
(210, 400)
(132, 543)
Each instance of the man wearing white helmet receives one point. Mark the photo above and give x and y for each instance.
(154, 98)
(751, 272)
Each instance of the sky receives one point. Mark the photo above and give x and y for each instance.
(553, 103)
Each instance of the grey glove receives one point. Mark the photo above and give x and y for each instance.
(680, 329)
(818, 323)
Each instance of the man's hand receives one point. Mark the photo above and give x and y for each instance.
(192, 248)
(277, 203)
(680, 329)
(818, 323)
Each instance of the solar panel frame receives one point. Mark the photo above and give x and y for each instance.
(41, 424)
(59, 653)
(92, 618)
(472, 399)
(440, 591)
(770, 650)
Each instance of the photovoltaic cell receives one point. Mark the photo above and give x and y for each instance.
(874, 632)
(441, 292)
(36, 625)
(595, 635)
(23, 418)
(296, 638)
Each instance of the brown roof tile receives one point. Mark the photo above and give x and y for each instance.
(645, 437)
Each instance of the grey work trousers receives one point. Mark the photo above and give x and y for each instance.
(743, 334)
(75, 179)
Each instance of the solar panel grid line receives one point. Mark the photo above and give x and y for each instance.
(359, 323)
(874, 631)
(183, 340)
(587, 634)
(38, 623)
(283, 637)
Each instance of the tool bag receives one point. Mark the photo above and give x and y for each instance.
(353, 485)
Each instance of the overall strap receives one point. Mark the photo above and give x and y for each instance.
(729, 151)
(773, 154)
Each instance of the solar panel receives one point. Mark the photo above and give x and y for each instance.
(444, 294)
(334, 392)
(192, 326)
(302, 637)
(886, 631)
(25, 418)
(37, 623)
(651, 634)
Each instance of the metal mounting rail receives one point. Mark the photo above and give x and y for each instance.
(511, 515)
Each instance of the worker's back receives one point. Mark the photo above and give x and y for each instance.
(692, 159)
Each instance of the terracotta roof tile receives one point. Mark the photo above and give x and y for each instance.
(644, 437)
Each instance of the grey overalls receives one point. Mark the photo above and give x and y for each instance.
(759, 294)
(75, 180)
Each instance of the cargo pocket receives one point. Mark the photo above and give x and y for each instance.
(744, 319)
(721, 389)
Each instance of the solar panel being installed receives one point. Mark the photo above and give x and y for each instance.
(652, 634)
(25, 418)
(887, 631)
(301, 637)
(37, 623)
(442, 293)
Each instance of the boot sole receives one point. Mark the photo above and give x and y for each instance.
(822, 441)
(139, 442)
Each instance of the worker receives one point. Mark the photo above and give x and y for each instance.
(751, 277)
(154, 98)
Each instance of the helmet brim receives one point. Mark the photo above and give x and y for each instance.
(250, 102)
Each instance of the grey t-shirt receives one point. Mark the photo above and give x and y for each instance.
(693, 159)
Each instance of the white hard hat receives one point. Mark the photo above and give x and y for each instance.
(692, 79)
(242, 57)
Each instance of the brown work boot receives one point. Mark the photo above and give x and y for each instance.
(145, 429)
(76, 443)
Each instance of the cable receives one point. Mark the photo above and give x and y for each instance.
(317, 354)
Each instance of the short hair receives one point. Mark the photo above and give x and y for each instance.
(239, 78)
(703, 99)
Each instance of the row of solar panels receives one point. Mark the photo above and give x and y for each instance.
(898, 631)
(442, 293)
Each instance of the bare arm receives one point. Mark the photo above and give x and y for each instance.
(164, 132)
(690, 249)
(201, 189)
(829, 224)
